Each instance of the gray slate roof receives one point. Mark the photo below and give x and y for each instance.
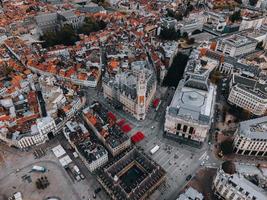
(254, 128)
(252, 85)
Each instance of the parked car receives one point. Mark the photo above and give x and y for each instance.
(97, 190)
(188, 177)
(82, 176)
(78, 178)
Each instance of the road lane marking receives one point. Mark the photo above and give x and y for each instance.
(151, 141)
(157, 155)
(203, 156)
(162, 158)
(174, 171)
(171, 157)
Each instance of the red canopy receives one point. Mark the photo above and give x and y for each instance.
(137, 137)
(156, 102)
(121, 122)
(111, 116)
(126, 128)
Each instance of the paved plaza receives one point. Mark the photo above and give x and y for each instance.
(179, 160)
(61, 185)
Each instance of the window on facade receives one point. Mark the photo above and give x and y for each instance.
(225, 192)
(184, 128)
(220, 188)
(191, 130)
(179, 127)
(232, 196)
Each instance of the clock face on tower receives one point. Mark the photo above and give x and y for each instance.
(141, 100)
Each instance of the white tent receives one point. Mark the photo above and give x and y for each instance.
(59, 151)
(65, 160)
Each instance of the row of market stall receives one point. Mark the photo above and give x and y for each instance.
(126, 128)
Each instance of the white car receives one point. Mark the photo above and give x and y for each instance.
(75, 155)
(82, 176)
(78, 178)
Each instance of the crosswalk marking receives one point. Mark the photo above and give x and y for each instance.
(203, 156)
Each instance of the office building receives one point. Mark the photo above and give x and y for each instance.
(229, 184)
(248, 93)
(105, 128)
(235, 45)
(168, 23)
(132, 176)
(251, 20)
(132, 90)
(93, 154)
(251, 137)
(190, 25)
(191, 194)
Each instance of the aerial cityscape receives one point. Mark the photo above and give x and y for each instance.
(133, 99)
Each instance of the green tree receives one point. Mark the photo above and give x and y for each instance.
(253, 2)
(5, 70)
(215, 77)
(49, 39)
(179, 17)
(86, 29)
(236, 16)
(191, 41)
(169, 34)
(229, 167)
(176, 15)
(196, 32)
(67, 36)
(170, 13)
(176, 71)
(227, 147)
(190, 7)
(185, 35)
(260, 45)
(102, 24)
(90, 25)
(98, 1)
(38, 184)
(238, 1)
